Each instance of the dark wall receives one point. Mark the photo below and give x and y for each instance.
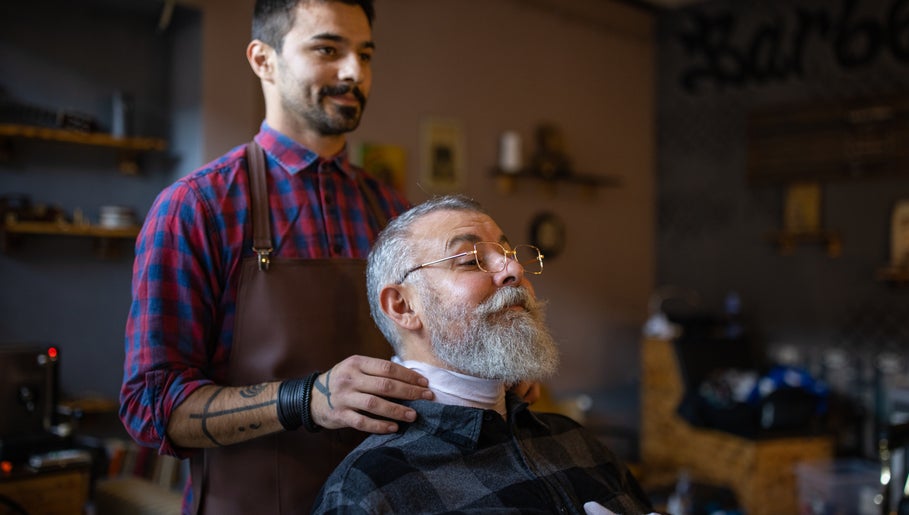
(63, 55)
(720, 61)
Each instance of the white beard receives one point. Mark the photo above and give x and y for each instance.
(492, 341)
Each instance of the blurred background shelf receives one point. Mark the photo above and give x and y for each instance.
(129, 147)
(69, 229)
(82, 138)
(106, 239)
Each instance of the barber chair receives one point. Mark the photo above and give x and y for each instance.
(759, 470)
(893, 451)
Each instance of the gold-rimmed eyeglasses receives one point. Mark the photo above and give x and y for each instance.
(491, 257)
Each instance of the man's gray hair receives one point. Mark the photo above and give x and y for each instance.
(392, 255)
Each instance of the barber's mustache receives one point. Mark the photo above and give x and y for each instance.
(343, 89)
(507, 297)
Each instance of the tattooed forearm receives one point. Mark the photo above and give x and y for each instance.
(324, 388)
(210, 417)
(204, 417)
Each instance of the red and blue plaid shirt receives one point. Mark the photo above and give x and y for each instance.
(180, 325)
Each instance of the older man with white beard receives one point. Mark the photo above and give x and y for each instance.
(453, 298)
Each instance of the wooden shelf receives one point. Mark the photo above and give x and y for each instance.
(507, 181)
(129, 147)
(894, 274)
(105, 237)
(63, 228)
(787, 241)
(82, 138)
(854, 139)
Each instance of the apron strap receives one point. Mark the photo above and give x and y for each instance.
(262, 245)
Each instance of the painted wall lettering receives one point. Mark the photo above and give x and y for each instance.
(776, 49)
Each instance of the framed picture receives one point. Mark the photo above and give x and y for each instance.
(547, 233)
(442, 159)
(899, 234)
(388, 163)
(802, 209)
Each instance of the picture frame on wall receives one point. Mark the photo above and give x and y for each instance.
(802, 208)
(899, 234)
(547, 233)
(388, 163)
(442, 156)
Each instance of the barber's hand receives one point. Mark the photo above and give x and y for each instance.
(528, 391)
(354, 392)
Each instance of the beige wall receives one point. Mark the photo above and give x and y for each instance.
(496, 65)
(231, 97)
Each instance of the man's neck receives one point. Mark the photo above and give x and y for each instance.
(324, 146)
(459, 389)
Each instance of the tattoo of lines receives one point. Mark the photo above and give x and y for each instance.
(207, 415)
(324, 388)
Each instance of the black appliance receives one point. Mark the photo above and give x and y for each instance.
(28, 399)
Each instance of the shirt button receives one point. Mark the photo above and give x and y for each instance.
(337, 249)
(329, 200)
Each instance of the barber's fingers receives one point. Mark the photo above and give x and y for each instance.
(376, 416)
(379, 377)
(381, 368)
(354, 392)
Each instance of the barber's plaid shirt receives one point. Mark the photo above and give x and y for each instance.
(459, 459)
(179, 331)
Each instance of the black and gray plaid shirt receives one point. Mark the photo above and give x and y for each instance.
(459, 459)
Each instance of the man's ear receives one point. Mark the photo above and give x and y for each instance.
(395, 302)
(261, 59)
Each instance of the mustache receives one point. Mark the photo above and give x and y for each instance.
(508, 297)
(343, 89)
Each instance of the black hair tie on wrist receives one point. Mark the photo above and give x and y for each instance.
(294, 403)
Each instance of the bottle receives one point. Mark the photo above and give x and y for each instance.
(734, 328)
(510, 160)
(680, 501)
(121, 116)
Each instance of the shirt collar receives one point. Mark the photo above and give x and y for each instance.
(296, 158)
(462, 425)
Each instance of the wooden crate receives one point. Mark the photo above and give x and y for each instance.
(62, 491)
(760, 472)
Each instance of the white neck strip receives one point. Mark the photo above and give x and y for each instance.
(451, 387)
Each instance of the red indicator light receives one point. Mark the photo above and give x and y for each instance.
(6, 467)
(52, 352)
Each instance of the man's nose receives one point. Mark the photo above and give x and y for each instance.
(512, 273)
(352, 69)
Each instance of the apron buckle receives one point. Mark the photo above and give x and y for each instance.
(264, 258)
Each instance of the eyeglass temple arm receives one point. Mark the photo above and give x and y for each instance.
(462, 254)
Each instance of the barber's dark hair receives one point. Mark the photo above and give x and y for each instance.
(272, 19)
(392, 255)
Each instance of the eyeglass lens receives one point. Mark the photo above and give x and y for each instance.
(491, 257)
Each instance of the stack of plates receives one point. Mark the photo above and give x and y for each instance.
(115, 217)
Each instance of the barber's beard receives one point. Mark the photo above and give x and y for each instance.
(492, 341)
(318, 113)
(345, 120)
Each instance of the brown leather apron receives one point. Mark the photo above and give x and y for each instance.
(293, 316)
